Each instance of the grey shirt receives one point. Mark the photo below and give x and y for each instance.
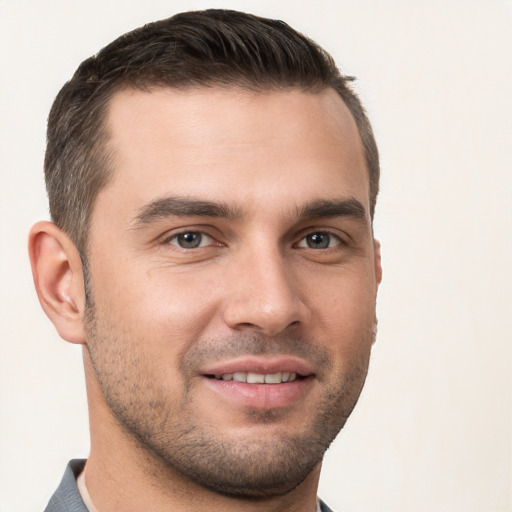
(67, 496)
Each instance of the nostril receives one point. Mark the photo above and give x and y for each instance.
(270, 313)
(246, 325)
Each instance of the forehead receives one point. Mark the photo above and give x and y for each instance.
(233, 144)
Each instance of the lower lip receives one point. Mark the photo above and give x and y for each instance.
(261, 396)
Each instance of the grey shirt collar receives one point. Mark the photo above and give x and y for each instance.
(67, 497)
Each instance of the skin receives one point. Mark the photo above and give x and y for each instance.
(277, 281)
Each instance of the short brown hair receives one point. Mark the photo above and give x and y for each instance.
(193, 49)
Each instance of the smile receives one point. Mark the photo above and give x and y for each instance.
(258, 378)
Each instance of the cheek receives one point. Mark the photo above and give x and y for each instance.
(344, 317)
(163, 307)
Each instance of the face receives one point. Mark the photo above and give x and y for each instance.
(233, 279)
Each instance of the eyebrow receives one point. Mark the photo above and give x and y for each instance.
(333, 208)
(186, 207)
(183, 207)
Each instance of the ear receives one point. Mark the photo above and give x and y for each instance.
(377, 261)
(58, 278)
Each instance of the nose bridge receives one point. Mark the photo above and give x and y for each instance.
(263, 294)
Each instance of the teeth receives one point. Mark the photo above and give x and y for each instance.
(273, 378)
(258, 378)
(255, 378)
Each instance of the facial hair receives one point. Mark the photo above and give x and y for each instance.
(165, 425)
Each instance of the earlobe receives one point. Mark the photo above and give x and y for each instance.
(58, 278)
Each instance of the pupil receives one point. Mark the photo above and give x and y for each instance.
(318, 241)
(189, 240)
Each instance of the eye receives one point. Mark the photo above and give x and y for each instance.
(320, 240)
(190, 240)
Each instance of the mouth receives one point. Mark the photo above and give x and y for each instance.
(258, 378)
(261, 383)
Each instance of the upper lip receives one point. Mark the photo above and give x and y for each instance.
(259, 365)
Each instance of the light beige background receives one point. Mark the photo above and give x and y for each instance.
(432, 431)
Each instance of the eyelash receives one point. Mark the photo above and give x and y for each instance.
(332, 237)
(176, 236)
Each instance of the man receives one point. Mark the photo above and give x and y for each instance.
(212, 181)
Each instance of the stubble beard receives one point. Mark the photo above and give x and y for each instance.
(245, 467)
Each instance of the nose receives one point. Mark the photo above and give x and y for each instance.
(263, 295)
